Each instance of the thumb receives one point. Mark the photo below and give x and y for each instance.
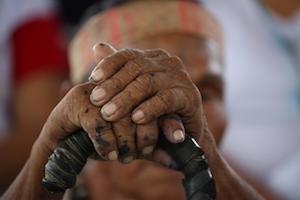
(101, 50)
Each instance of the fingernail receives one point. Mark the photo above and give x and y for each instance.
(128, 159)
(178, 135)
(98, 94)
(148, 150)
(108, 109)
(97, 75)
(138, 115)
(112, 155)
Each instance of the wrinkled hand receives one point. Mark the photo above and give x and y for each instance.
(75, 111)
(143, 86)
(139, 140)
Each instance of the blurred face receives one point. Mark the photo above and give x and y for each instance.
(196, 56)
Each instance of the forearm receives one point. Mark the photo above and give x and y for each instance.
(28, 183)
(31, 106)
(15, 150)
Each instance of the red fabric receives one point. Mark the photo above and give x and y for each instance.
(38, 45)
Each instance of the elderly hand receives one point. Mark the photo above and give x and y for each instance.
(143, 86)
(73, 112)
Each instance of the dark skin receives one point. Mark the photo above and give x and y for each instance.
(229, 184)
(70, 114)
(211, 83)
(172, 90)
(197, 57)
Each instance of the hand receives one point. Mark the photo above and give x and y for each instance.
(73, 112)
(151, 84)
(139, 140)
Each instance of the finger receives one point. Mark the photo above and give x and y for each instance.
(124, 130)
(172, 128)
(164, 102)
(123, 103)
(100, 133)
(162, 157)
(87, 117)
(147, 136)
(156, 53)
(111, 64)
(109, 88)
(130, 71)
(101, 50)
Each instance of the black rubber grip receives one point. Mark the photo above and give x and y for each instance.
(70, 156)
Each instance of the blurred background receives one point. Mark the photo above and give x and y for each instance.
(262, 82)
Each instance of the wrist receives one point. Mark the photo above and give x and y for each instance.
(28, 185)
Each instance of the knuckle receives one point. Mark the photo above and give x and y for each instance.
(124, 122)
(128, 53)
(132, 68)
(104, 138)
(163, 101)
(183, 76)
(160, 51)
(175, 60)
(79, 94)
(144, 83)
(116, 83)
(150, 136)
(171, 63)
(77, 89)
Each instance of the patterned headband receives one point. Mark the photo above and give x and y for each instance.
(141, 19)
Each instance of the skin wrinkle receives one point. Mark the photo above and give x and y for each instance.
(173, 61)
(150, 177)
(101, 141)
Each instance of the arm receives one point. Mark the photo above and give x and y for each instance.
(27, 185)
(68, 116)
(32, 105)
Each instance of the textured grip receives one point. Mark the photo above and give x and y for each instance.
(189, 158)
(67, 161)
(70, 156)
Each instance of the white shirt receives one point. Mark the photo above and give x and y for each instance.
(262, 84)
